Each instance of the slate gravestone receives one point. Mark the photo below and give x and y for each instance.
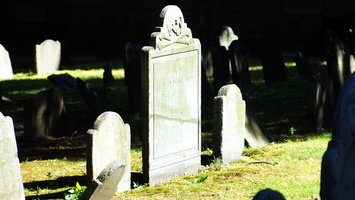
(226, 36)
(94, 98)
(48, 56)
(5, 64)
(105, 185)
(10, 173)
(229, 124)
(109, 140)
(273, 64)
(239, 65)
(65, 81)
(108, 80)
(268, 194)
(338, 163)
(302, 65)
(321, 101)
(255, 131)
(171, 113)
(133, 76)
(44, 115)
(221, 72)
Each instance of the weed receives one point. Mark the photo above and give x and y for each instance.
(74, 194)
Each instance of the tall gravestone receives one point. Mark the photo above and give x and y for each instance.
(171, 99)
(239, 65)
(5, 64)
(274, 68)
(229, 124)
(338, 163)
(109, 140)
(48, 56)
(10, 173)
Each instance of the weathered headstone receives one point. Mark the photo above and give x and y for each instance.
(171, 100)
(104, 186)
(302, 65)
(108, 80)
(268, 194)
(239, 65)
(133, 76)
(255, 131)
(221, 72)
(10, 173)
(48, 56)
(44, 115)
(338, 163)
(273, 64)
(65, 81)
(94, 98)
(109, 140)
(5, 64)
(226, 36)
(229, 124)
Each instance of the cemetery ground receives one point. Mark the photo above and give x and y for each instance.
(291, 165)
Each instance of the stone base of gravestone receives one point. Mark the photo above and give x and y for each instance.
(44, 115)
(10, 172)
(229, 124)
(338, 163)
(273, 64)
(255, 131)
(104, 186)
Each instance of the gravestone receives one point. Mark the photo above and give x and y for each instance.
(109, 140)
(48, 56)
(105, 185)
(268, 194)
(10, 173)
(94, 98)
(226, 36)
(5, 64)
(133, 76)
(338, 163)
(255, 131)
(274, 68)
(171, 100)
(108, 80)
(229, 124)
(221, 72)
(44, 115)
(239, 65)
(302, 65)
(65, 81)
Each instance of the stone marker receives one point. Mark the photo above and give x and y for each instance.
(273, 64)
(44, 115)
(221, 72)
(302, 65)
(239, 65)
(226, 36)
(109, 140)
(105, 185)
(5, 64)
(229, 124)
(65, 81)
(108, 80)
(255, 131)
(268, 194)
(171, 100)
(338, 163)
(10, 173)
(48, 56)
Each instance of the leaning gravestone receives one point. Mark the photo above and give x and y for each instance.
(338, 163)
(65, 81)
(48, 56)
(171, 100)
(229, 121)
(5, 64)
(105, 185)
(109, 140)
(10, 173)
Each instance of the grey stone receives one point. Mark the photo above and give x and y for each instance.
(171, 100)
(48, 56)
(105, 185)
(338, 163)
(229, 124)
(226, 36)
(5, 64)
(10, 173)
(109, 140)
(65, 81)
(255, 131)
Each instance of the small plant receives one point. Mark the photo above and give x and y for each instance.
(292, 130)
(138, 186)
(74, 194)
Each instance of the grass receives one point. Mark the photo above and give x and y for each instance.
(291, 165)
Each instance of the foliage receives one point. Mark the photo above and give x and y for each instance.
(74, 194)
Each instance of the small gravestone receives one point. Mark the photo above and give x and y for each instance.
(268, 194)
(239, 65)
(65, 81)
(44, 115)
(10, 173)
(229, 124)
(273, 64)
(226, 36)
(107, 141)
(338, 163)
(221, 72)
(302, 65)
(171, 100)
(94, 98)
(48, 56)
(5, 64)
(105, 185)
(255, 131)
(133, 76)
(108, 80)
